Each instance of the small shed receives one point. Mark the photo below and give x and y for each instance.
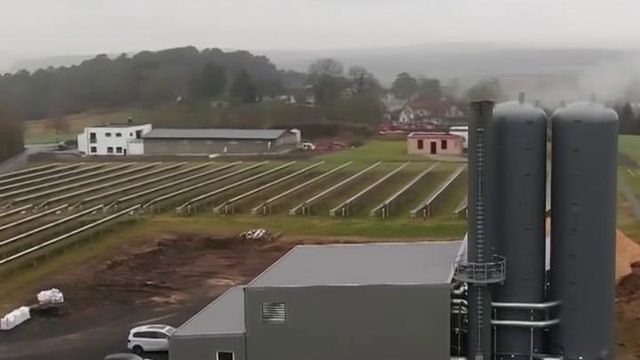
(434, 143)
(318, 302)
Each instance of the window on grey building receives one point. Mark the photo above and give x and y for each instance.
(107, 134)
(274, 313)
(94, 150)
(92, 138)
(109, 149)
(118, 134)
(224, 355)
(119, 150)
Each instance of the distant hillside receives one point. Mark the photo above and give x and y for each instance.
(145, 79)
(32, 64)
(549, 74)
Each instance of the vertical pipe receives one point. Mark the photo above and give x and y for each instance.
(479, 246)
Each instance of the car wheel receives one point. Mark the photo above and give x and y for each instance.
(138, 350)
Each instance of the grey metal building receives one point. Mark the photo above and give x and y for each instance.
(373, 301)
(220, 141)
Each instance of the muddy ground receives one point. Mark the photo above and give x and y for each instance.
(165, 280)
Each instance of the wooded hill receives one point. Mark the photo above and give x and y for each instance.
(147, 78)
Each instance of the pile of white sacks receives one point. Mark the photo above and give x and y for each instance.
(53, 296)
(15, 318)
(23, 313)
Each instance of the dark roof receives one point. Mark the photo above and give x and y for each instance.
(243, 134)
(363, 264)
(223, 316)
(432, 135)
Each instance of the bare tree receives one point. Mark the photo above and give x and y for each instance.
(325, 67)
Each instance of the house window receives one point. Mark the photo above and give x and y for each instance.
(94, 149)
(420, 144)
(107, 134)
(92, 138)
(224, 355)
(118, 134)
(130, 134)
(119, 150)
(109, 149)
(274, 313)
(443, 144)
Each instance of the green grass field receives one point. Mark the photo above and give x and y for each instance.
(42, 131)
(630, 145)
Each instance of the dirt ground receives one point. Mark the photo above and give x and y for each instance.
(171, 271)
(163, 280)
(628, 297)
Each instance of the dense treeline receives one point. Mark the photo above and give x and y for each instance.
(11, 142)
(147, 78)
(629, 121)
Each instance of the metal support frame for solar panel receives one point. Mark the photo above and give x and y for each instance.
(14, 193)
(304, 206)
(84, 182)
(27, 170)
(151, 203)
(16, 210)
(343, 209)
(75, 171)
(107, 194)
(385, 207)
(31, 176)
(51, 225)
(462, 209)
(49, 243)
(110, 184)
(265, 207)
(35, 216)
(425, 207)
(227, 206)
(189, 204)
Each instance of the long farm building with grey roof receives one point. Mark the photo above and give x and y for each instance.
(123, 140)
(220, 141)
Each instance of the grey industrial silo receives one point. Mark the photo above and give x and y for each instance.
(583, 230)
(516, 163)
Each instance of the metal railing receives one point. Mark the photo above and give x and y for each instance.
(494, 271)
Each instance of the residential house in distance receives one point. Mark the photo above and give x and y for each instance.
(319, 302)
(113, 139)
(434, 143)
(437, 111)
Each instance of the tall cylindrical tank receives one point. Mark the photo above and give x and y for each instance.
(517, 150)
(583, 230)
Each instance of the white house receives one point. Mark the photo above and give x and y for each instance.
(113, 139)
(462, 131)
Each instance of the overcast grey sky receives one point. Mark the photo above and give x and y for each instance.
(64, 27)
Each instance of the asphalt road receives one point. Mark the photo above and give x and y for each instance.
(80, 337)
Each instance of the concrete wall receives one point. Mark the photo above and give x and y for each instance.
(205, 347)
(453, 146)
(351, 323)
(206, 147)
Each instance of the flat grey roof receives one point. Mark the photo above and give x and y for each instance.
(242, 134)
(363, 264)
(224, 316)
